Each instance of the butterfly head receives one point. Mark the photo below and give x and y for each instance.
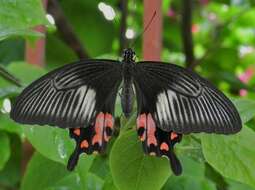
(128, 55)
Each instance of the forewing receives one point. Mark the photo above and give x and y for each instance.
(182, 101)
(70, 96)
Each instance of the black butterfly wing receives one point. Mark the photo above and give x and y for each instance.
(182, 101)
(70, 96)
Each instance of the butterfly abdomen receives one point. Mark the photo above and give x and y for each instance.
(127, 98)
(127, 93)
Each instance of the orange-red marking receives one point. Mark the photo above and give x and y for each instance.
(164, 146)
(102, 122)
(151, 129)
(108, 120)
(141, 123)
(84, 144)
(99, 124)
(77, 132)
(173, 135)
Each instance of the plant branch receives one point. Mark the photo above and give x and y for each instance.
(123, 25)
(9, 77)
(186, 32)
(65, 30)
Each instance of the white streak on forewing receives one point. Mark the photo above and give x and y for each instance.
(162, 107)
(159, 112)
(89, 102)
(171, 97)
(81, 93)
(92, 107)
(167, 109)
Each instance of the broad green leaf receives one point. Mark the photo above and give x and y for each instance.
(25, 72)
(234, 185)
(109, 184)
(69, 182)
(188, 182)
(132, 169)
(17, 17)
(191, 167)
(11, 174)
(9, 54)
(53, 143)
(232, 156)
(246, 108)
(94, 182)
(42, 173)
(5, 149)
(193, 176)
(9, 91)
(100, 166)
(8, 125)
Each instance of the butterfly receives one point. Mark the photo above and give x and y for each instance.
(171, 101)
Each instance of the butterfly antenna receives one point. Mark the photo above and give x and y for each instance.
(145, 29)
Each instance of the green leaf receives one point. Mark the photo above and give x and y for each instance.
(42, 173)
(9, 125)
(19, 16)
(25, 72)
(53, 143)
(234, 185)
(193, 176)
(109, 184)
(188, 182)
(94, 182)
(132, 169)
(100, 167)
(232, 156)
(68, 182)
(11, 174)
(4, 150)
(246, 108)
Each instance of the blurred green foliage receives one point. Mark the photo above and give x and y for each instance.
(224, 46)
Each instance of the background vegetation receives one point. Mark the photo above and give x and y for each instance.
(224, 52)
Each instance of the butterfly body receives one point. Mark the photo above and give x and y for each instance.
(171, 101)
(127, 93)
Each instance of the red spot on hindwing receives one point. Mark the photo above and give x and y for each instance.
(103, 123)
(141, 126)
(108, 120)
(77, 132)
(173, 135)
(99, 127)
(84, 144)
(164, 146)
(151, 131)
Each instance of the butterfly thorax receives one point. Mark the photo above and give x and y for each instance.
(127, 93)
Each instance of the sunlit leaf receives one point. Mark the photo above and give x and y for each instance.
(232, 156)
(5, 151)
(132, 169)
(17, 17)
(42, 173)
